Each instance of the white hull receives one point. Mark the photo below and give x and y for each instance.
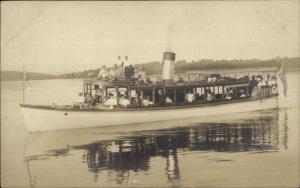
(41, 119)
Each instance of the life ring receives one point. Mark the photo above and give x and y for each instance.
(274, 89)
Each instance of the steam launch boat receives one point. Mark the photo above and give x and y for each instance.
(124, 95)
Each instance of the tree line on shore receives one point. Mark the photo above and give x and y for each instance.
(181, 66)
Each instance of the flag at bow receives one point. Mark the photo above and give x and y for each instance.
(25, 78)
(25, 83)
(283, 79)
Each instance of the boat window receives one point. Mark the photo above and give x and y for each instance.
(133, 93)
(89, 89)
(146, 97)
(216, 90)
(142, 97)
(220, 89)
(199, 90)
(199, 95)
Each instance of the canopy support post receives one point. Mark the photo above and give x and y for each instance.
(174, 95)
(23, 85)
(117, 94)
(153, 95)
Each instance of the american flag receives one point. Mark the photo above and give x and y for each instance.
(283, 79)
(25, 83)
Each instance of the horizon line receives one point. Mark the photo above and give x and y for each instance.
(62, 73)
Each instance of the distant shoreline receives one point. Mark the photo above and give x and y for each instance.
(297, 69)
(181, 66)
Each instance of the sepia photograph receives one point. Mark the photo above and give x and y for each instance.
(150, 94)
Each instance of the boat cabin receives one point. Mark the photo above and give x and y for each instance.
(186, 89)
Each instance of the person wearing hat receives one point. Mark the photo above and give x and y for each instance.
(112, 73)
(136, 74)
(103, 73)
(142, 75)
(190, 97)
(253, 84)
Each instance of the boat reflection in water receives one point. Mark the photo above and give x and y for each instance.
(131, 152)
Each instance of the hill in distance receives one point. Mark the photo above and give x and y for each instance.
(17, 75)
(180, 67)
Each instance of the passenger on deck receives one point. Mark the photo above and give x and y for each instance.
(131, 71)
(260, 84)
(103, 73)
(190, 97)
(269, 84)
(136, 74)
(93, 102)
(197, 97)
(253, 84)
(273, 81)
(146, 101)
(119, 70)
(112, 73)
(209, 96)
(268, 79)
(161, 98)
(141, 75)
(228, 94)
(111, 101)
(139, 99)
(169, 100)
(149, 101)
(98, 95)
(261, 81)
(124, 101)
(127, 72)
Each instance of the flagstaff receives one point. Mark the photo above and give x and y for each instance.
(23, 85)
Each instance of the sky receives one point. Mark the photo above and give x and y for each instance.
(60, 37)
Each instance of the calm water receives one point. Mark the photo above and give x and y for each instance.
(257, 149)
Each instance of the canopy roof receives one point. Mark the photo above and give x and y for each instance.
(173, 84)
(226, 71)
